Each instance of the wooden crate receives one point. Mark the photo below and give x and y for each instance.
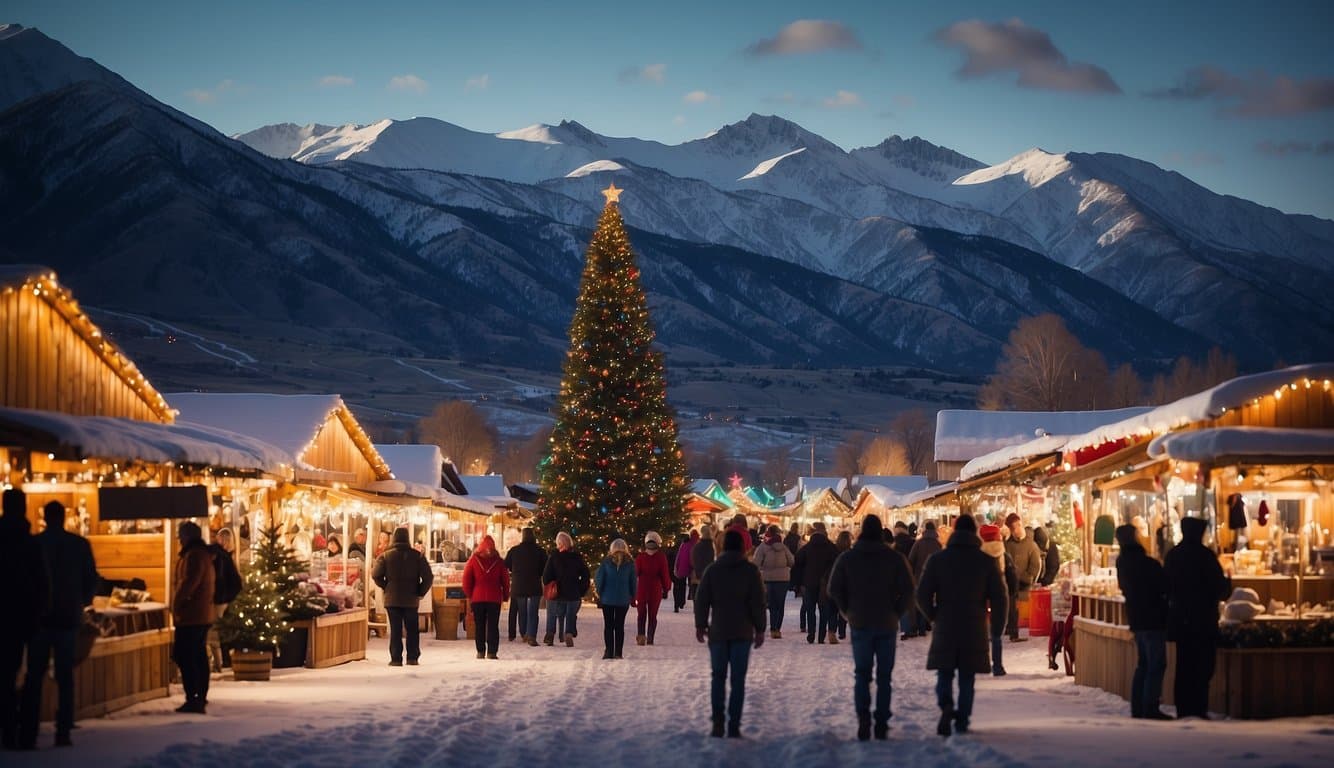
(336, 638)
(119, 672)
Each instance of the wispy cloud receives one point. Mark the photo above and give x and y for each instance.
(408, 83)
(1291, 147)
(649, 73)
(1258, 95)
(1013, 46)
(699, 97)
(336, 81)
(211, 95)
(807, 36)
(1193, 159)
(842, 100)
(477, 83)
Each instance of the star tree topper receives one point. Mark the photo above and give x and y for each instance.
(612, 194)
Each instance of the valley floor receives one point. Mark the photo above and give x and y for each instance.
(565, 706)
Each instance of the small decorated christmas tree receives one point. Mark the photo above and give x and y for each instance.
(615, 468)
(271, 598)
(1062, 528)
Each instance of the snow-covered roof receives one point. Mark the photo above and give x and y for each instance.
(926, 494)
(965, 435)
(485, 485)
(705, 487)
(106, 437)
(418, 464)
(808, 486)
(1241, 442)
(1208, 404)
(895, 483)
(482, 505)
(887, 497)
(1014, 454)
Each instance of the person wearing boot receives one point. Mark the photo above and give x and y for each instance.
(813, 563)
(1144, 587)
(958, 585)
(525, 562)
(1195, 585)
(405, 576)
(729, 614)
(653, 581)
(993, 545)
(872, 586)
(775, 560)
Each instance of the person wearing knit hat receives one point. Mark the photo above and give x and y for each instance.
(653, 578)
(567, 569)
(616, 584)
(486, 583)
(775, 560)
(958, 585)
(872, 586)
(1195, 585)
(729, 614)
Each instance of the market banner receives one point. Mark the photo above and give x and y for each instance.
(149, 503)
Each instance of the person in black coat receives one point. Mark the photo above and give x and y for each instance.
(405, 576)
(73, 573)
(525, 561)
(1195, 586)
(814, 561)
(872, 586)
(903, 543)
(568, 569)
(1144, 587)
(729, 612)
(21, 567)
(1051, 556)
(958, 585)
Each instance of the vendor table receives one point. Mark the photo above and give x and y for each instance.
(135, 617)
(1247, 682)
(336, 638)
(119, 671)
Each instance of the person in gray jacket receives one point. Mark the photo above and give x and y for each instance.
(774, 560)
(1027, 565)
(405, 576)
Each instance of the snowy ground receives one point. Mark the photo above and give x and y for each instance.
(562, 706)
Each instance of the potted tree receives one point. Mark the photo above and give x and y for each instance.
(259, 620)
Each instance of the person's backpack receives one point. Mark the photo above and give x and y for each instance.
(226, 579)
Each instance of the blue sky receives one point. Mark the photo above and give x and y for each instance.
(1238, 96)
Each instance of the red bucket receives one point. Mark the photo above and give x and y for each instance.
(1039, 612)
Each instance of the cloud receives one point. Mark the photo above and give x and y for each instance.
(211, 95)
(649, 73)
(1013, 46)
(807, 36)
(336, 81)
(1193, 159)
(1259, 95)
(408, 83)
(1290, 147)
(477, 82)
(843, 100)
(699, 97)
(679, 120)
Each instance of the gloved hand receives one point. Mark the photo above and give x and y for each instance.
(699, 635)
(759, 639)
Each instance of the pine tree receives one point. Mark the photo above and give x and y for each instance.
(615, 468)
(271, 597)
(1062, 529)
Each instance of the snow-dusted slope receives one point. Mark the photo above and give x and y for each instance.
(32, 64)
(282, 140)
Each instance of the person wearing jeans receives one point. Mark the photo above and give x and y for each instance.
(813, 563)
(486, 582)
(775, 561)
(405, 576)
(568, 571)
(871, 584)
(616, 582)
(526, 561)
(1144, 586)
(729, 614)
(958, 585)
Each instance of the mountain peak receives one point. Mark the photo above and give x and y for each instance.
(32, 64)
(9, 30)
(758, 131)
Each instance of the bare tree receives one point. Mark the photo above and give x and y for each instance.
(463, 434)
(1188, 377)
(777, 471)
(916, 433)
(1043, 367)
(886, 456)
(712, 462)
(848, 455)
(519, 458)
(1124, 388)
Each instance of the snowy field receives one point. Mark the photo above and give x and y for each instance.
(565, 706)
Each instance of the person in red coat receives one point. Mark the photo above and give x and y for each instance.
(654, 580)
(486, 582)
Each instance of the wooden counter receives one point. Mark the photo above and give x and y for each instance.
(336, 638)
(119, 671)
(1284, 588)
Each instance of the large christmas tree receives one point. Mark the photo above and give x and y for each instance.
(615, 468)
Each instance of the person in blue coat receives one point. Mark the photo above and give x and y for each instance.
(615, 581)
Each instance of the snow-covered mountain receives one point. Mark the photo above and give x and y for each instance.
(284, 139)
(32, 63)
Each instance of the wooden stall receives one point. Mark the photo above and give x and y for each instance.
(335, 638)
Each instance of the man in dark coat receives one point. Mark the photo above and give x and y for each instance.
(405, 576)
(729, 609)
(1028, 567)
(872, 586)
(193, 584)
(1051, 556)
(814, 561)
(1195, 585)
(73, 574)
(1145, 590)
(22, 567)
(957, 586)
(525, 562)
(702, 554)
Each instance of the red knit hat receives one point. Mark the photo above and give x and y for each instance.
(989, 533)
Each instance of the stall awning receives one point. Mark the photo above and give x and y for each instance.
(1030, 469)
(114, 439)
(1230, 445)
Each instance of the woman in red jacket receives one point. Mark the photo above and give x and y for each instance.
(486, 582)
(654, 579)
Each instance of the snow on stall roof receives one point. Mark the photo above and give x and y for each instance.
(1014, 454)
(419, 464)
(808, 486)
(107, 437)
(963, 435)
(704, 487)
(1208, 404)
(482, 505)
(887, 497)
(290, 422)
(485, 485)
(894, 483)
(908, 499)
(1210, 444)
